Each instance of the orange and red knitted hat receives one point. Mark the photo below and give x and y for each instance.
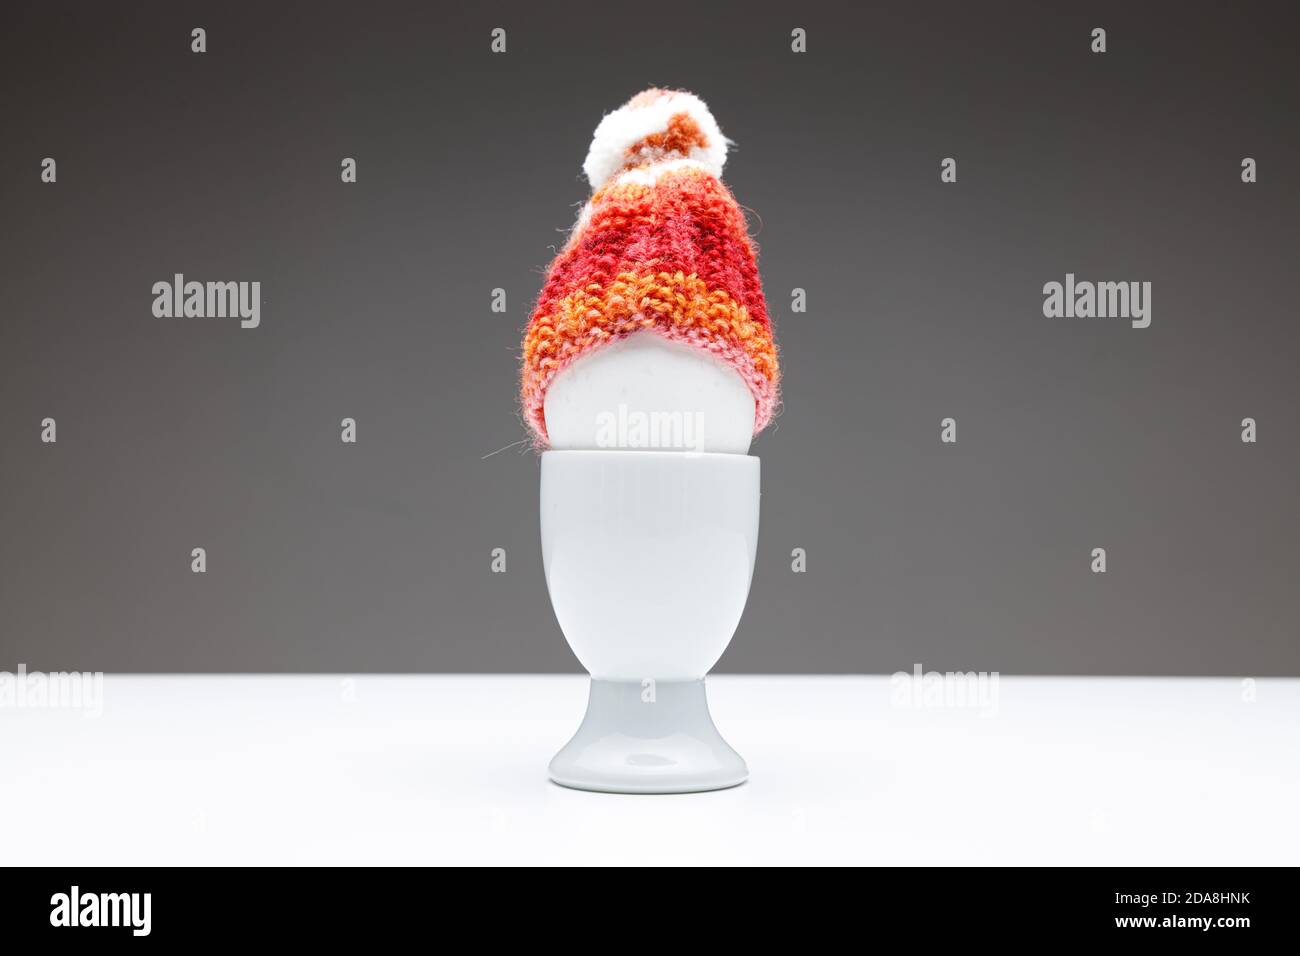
(660, 246)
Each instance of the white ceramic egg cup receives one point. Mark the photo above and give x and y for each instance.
(648, 558)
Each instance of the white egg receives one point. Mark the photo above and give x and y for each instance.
(645, 392)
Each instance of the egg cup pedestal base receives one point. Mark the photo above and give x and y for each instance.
(648, 737)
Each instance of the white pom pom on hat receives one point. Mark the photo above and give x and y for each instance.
(655, 126)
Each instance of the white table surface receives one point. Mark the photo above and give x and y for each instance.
(452, 769)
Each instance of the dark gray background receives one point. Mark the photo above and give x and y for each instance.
(924, 301)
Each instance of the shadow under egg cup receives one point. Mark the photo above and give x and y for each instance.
(648, 558)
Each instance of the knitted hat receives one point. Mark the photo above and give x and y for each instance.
(660, 246)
